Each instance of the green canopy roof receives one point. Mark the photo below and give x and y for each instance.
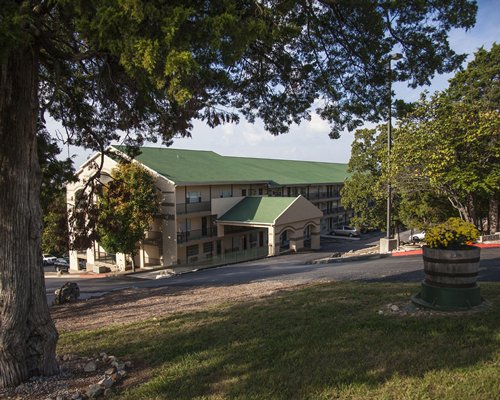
(193, 166)
(255, 210)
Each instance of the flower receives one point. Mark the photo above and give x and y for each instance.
(452, 234)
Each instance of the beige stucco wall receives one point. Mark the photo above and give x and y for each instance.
(165, 224)
(301, 209)
(86, 171)
(222, 205)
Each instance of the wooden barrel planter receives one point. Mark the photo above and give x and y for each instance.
(450, 278)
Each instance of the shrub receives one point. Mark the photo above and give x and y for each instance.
(452, 234)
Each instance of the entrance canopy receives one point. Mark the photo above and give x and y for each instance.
(294, 215)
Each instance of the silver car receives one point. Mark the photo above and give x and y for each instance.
(346, 231)
(61, 265)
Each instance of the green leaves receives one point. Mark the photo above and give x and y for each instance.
(149, 68)
(452, 139)
(128, 203)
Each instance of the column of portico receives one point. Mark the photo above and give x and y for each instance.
(315, 236)
(121, 261)
(220, 236)
(297, 241)
(73, 260)
(142, 256)
(91, 256)
(273, 242)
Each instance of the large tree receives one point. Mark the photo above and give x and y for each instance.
(365, 191)
(127, 206)
(451, 142)
(451, 148)
(149, 68)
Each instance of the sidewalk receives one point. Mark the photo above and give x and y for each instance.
(416, 252)
(375, 255)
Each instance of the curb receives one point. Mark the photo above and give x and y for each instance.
(336, 260)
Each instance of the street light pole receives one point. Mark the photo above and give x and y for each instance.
(395, 57)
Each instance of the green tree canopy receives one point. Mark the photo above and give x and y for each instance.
(365, 191)
(55, 234)
(451, 141)
(127, 206)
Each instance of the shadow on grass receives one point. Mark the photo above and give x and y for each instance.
(303, 344)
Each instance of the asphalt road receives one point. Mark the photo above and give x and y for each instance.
(282, 268)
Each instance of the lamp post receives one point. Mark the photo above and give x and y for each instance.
(388, 244)
(392, 57)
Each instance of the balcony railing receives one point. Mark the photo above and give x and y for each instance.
(187, 208)
(183, 237)
(323, 195)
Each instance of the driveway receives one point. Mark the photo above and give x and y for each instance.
(283, 268)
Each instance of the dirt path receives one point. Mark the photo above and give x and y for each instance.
(132, 305)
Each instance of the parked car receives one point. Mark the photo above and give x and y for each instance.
(48, 259)
(61, 264)
(418, 237)
(346, 231)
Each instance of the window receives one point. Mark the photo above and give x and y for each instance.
(192, 250)
(243, 192)
(261, 191)
(193, 197)
(208, 247)
(225, 193)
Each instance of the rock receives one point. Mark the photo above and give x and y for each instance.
(91, 366)
(94, 391)
(394, 308)
(77, 396)
(110, 371)
(107, 392)
(122, 374)
(103, 355)
(67, 293)
(106, 382)
(111, 359)
(128, 364)
(120, 366)
(380, 312)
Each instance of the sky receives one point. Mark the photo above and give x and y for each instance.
(309, 141)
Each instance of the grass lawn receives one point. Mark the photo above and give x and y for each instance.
(323, 342)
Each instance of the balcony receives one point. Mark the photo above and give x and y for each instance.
(153, 238)
(322, 196)
(188, 208)
(183, 237)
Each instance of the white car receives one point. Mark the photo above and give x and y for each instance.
(48, 259)
(418, 237)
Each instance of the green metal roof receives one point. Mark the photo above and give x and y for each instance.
(193, 166)
(254, 210)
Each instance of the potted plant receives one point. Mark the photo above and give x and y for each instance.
(451, 265)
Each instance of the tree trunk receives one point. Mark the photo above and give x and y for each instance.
(27, 333)
(493, 215)
(471, 211)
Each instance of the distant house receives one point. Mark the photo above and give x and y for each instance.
(215, 209)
